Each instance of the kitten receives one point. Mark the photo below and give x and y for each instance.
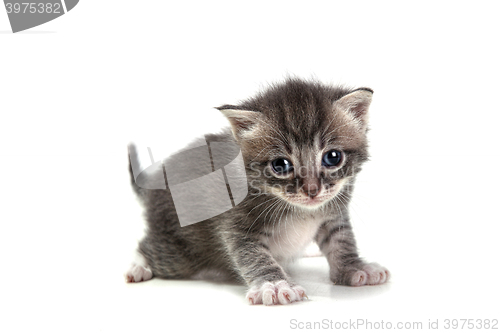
(303, 143)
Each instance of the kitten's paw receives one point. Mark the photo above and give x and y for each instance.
(370, 274)
(138, 273)
(270, 293)
(139, 270)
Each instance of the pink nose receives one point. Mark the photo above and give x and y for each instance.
(311, 189)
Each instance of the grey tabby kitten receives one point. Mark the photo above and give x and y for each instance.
(303, 144)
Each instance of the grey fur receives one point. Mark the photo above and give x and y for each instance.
(284, 120)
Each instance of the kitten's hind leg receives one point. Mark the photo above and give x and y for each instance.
(139, 270)
(336, 240)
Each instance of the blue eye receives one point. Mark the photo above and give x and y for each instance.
(282, 166)
(332, 158)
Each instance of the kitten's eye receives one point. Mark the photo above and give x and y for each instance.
(282, 166)
(332, 158)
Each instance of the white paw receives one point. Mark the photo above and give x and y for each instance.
(370, 274)
(139, 270)
(138, 273)
(271, 293)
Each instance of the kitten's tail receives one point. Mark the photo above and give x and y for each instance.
(132, 156)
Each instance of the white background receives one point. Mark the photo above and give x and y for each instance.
(75, 91)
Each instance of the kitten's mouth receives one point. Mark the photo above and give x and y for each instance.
(315, 202)
(310, 203)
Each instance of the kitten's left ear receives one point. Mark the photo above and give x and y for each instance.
(244, 123)
(357, 104)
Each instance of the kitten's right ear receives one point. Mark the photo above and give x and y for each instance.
(244, 123)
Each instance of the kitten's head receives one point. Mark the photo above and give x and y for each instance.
(302, 141)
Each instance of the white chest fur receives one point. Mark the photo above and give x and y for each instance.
(290, 236)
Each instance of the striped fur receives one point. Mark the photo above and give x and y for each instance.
(252, 242)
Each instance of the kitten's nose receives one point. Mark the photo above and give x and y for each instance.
(312, 189)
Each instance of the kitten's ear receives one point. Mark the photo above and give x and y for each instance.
(357, 104)
(244, 123)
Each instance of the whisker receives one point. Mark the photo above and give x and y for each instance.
(270, 206)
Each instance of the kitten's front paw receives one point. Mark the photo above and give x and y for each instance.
(370, 274)
(271, 293)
